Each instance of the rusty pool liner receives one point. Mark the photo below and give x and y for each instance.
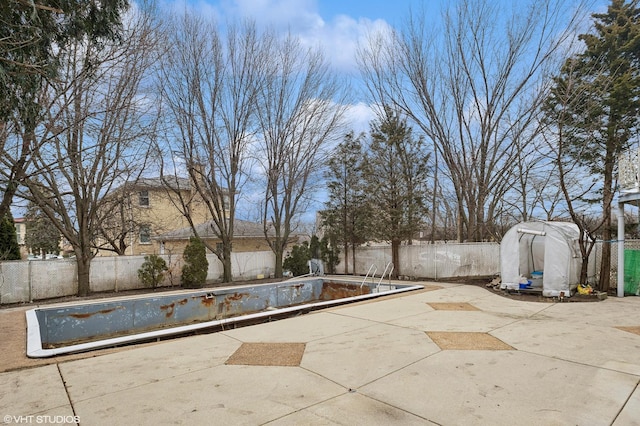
(78, 327)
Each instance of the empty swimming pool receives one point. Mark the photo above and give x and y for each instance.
(81, 327)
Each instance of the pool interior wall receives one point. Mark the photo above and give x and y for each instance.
(75, 328)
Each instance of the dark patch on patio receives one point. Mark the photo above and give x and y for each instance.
(631, 329)
(268, 354)
(458, 306)
(467, 341)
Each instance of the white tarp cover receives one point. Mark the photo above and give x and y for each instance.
(549, 247)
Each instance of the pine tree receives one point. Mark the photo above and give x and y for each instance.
(42, 237)
(395, 173)
(346, 211)
(605, 82)
(9, 249)
(194, 271)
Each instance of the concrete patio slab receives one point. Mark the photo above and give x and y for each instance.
(225, 395)
(358, 357)
(476, 321)
(93, 377)
(605, 347)
(386, 309)
(351, 408)
(370, 363)
(504, 388)
(630, 414)
(305, 328)
(37, 391)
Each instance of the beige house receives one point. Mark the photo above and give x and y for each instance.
(148, 217)
(21, 232)
(147, 208)
(247, 236)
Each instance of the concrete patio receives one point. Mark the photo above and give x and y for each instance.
(453, 354)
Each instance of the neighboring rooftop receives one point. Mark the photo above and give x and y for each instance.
(242, 229)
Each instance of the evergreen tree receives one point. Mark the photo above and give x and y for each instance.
(9, 249)
(152, 271)
(329, 252)
(395, 173)
(42, 237)
(32, 36)
(298, 261)
(194, 271)
(346, 212)
(599, 122)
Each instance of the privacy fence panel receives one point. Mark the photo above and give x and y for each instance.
(251, 265)
(434, 261)
(14, 282)
(52, 278)
(25, 281)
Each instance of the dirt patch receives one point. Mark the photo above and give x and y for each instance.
(634, 330)
(526, 295)
(463, 306)
(268, 354)
(464, 341)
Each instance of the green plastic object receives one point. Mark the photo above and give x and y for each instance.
(632, 272)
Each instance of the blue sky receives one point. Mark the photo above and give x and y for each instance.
(335, 25)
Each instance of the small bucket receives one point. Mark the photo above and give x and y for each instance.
(525, 286)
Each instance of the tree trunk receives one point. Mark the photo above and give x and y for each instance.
(346, 258)
(83, 265)
(226, 264)
(607, 199)
(353, 258)
(395, 258)
(459, 229)
(279, 259)
(605, 265)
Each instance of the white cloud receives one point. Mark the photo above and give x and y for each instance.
(338, 37)
(296, 15)
(359, 116)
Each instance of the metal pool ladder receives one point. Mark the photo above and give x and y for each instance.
(390, 264)
(375, 269)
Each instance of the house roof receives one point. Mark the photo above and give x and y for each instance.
(174, 182)
(242, 229)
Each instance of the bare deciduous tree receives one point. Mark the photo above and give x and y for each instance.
(98, 130)
(31, 33)
(300, 108)
(209, 83)
(473, 87)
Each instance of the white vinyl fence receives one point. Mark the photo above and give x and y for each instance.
(434, 261)
(25, 281)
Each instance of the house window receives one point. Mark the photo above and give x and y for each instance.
(143, 198)
(145, 234)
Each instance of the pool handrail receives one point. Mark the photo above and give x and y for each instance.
(375, 269)
(384, 272)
